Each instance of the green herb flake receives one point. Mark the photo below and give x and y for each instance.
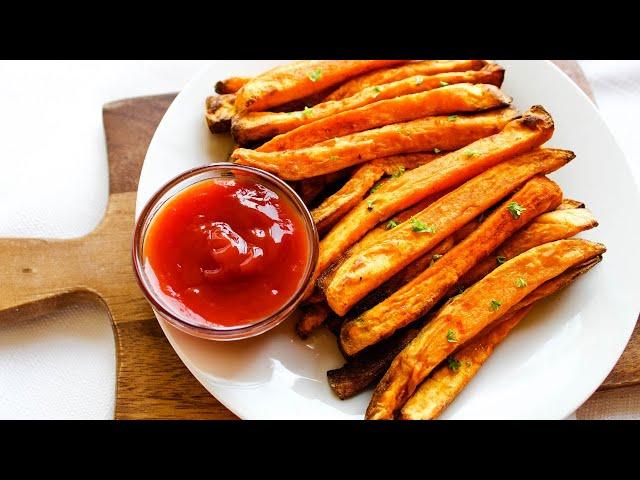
(399, 172)
(444, 84)
(500, 259)
(495, 305)
(315, 75)
(369, 204)
(452, 337)
(375, 188)
(435, 258)
(521, 282)
(420, 227)
(515, 209)
(452, 118)
(454, 364)
(436, 150)
(391, 224)
(471, 153)
(307, 112)
(377, 90)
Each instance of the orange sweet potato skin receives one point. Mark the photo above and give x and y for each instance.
(383, 76)
(469, 313)
(518, 136)
(457, 98)
(402, 245)
(419, 295)
(230, 85)
(296, 80)
(253, 126)
(421, 135)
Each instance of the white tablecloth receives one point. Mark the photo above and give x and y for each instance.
(53, 183)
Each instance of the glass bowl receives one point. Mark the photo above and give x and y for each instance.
(213, 171)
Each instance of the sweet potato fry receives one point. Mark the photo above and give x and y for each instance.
(533, 129)
(400, 246)
(296, 80)
(365, 369)
(568, 203)
(459, 98)
(383, 76)
(427, 134)
(444, 385)
(219, 110)
(364, 178)
(253, 126)
(469, 313)
(231, 85)
(557, 225)
(419, 295)
(439, 390)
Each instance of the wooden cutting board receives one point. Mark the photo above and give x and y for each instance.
(39, 275)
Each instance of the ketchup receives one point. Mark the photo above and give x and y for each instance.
(227, 251)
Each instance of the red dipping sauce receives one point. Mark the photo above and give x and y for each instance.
(227, 252)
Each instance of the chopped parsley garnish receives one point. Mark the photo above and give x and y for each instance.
(451, 336)
(377, 90)
(420, 227)
(369, 204)
(375, 187)
(419, 80)
(398, 172)
(391, 224)
(515, 209)
(436, 150)
(521, 282)
(315, 75)
(453, 364)
(307, 112)
(452, 118)
(471, 153)
(495, 305)
(443, 84)
(500, 259)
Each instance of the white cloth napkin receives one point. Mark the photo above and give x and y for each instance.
(53, 183)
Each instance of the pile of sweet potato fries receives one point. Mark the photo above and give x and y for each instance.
(439, 228)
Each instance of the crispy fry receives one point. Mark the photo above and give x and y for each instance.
(419, 295)
(360, 372)
(568, 203)
(422, 135)
(459, 98)
(219, 111)
(383, 76)
(469, 313)
(400, 246)
(546, 228)
(312, 316)
(533, 129)
(230, 85)
(253, 126)
(439, 390)
(296, 80)
(365, 177)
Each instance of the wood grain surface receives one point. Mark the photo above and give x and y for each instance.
(39, 275)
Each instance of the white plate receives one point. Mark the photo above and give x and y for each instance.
(548, 366)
